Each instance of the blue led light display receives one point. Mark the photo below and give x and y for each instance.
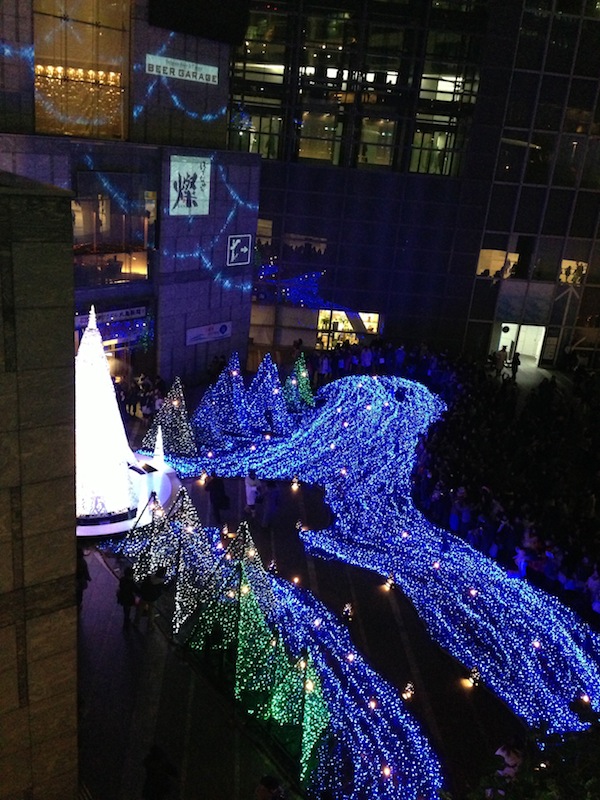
(292, 655)
(531, 650)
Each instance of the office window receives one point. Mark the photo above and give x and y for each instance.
(320, 135)
(521, 101)
(548, 262)
(330, 29)
(110, 246)
(266, 34)
(384, 48)
(539, 157)
(570, 159)
(81, 63)
(532, 41)
(259, 134)
(496, 264)
(514, 150)
(436, 147)
(585, 215)
(588, 52)
(560, 45)
(376, 142)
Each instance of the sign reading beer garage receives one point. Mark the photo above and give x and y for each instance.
(184, 70)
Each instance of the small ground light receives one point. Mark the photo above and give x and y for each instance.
(295, 580)
(536, 644)
(295, 484)
(390, 582)
(372, 703)
(585, 698)
(409, 690)
(350, 657)
(347, 611)
(473, 592)
(474, 676)
(386, 771)
(436, 564)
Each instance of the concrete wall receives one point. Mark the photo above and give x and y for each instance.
(200, 283)
(38, 614)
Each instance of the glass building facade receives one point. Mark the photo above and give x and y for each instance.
(432, 165)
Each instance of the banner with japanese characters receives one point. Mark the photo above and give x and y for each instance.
(189, 186)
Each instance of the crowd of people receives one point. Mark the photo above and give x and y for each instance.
(518, 477)
(142, 393)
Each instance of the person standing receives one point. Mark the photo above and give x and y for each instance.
(514, 366)
(82, 577)
(252, 487)
(219, 501)
(149, 590)
(161, 775)
(500, 360)
(127, 595)
(269, 788)
(270, 504)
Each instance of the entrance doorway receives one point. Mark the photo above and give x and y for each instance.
(527, 340)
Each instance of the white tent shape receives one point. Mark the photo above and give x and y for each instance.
(105, 484)
(159, 448)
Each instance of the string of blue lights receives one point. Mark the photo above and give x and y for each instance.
(532, 651)
(367, 735)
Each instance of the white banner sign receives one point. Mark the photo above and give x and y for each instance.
(184, 70)
(189, 186)
(81, 320)
(208, 333)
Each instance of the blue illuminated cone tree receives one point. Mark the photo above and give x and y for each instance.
(267, 407)
(221, 418)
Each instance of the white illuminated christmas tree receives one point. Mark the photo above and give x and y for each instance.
(105, 484)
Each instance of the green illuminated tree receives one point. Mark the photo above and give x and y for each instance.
(303, 378)
(172, 418)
